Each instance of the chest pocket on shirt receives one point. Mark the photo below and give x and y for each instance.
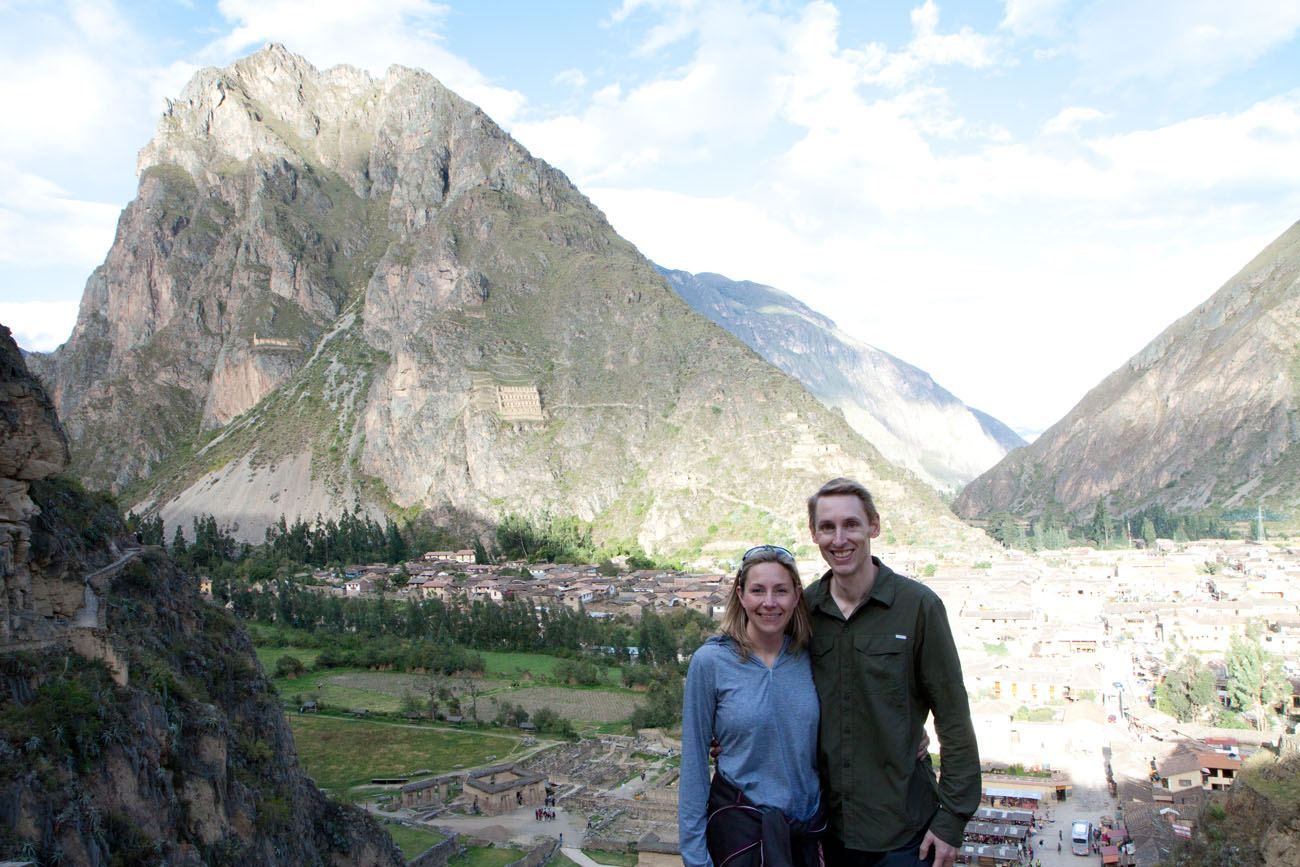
(882, 662)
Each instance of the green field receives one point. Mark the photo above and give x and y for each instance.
(478, 856)
(348, 688)
(344, 689)
(342, 754)
(511, 665)
(269, 656)
(614, 859)
(412, 841)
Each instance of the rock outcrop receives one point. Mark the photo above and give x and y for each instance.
(337, 290)
(896, 407)
(1204, 417)
(32, 447)
(135, 724)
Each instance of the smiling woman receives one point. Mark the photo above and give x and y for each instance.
(750, 689)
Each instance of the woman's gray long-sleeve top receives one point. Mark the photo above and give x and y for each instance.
(766, 722)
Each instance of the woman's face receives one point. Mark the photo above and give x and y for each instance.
(768, 597)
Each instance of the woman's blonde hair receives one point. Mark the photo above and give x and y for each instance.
(735, 620)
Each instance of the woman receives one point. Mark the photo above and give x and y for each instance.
(751, 689)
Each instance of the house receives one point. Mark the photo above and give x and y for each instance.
(464, 555)
(359, 587)
(488, 589)
(440, 587)
(502, 788)
(1178, 772)
(432, 792)
(1218, 769)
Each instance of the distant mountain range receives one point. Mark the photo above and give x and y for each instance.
(1207, 416)
(898, 408)
(334, 291)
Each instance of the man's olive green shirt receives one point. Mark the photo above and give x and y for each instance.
(879, 675)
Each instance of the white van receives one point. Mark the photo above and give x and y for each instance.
(1081, 837)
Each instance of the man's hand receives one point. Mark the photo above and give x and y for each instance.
(944, 855)
(924, 749)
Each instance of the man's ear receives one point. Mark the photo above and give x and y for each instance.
(875, 528)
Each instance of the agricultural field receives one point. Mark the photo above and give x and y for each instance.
(506, 681)
(578, 705)
(478, 856)
(412, 841)
(269, 656)
(516, 665)
(345, 689)
(345, 754)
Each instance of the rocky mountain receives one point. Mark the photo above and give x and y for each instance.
(898, 408)
(1204, 417)
(334, 290)
(135, 724)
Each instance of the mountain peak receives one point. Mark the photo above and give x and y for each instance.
(334, 289)
(1202, 417)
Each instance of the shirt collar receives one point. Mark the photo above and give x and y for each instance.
(883, 589)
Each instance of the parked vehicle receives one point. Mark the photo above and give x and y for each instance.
(1081, 837)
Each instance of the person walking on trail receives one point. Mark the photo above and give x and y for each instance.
(884, 659)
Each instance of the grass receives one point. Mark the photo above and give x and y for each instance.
(509, 664)
(478, 856)
(342, 754)
(342, 689)
(611, 857)
(412, 841)
(269, 656)
(347, 688)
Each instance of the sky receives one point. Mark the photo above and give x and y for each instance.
(1014, 196)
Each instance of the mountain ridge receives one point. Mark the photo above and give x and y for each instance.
(1204, 416)
(894, 405)
(337, 291)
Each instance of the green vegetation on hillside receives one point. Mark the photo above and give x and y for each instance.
(1253, 824)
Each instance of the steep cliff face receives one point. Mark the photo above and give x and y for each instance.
(896, 407)
(336, 289)
(135, 725)
(1204, 416)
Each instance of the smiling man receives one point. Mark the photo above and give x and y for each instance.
(883, 660)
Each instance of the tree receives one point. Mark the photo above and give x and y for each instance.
(1187, 691)
(289, 666)
(1099, 527)
(663, 703)
(1255, 678)
(178, 542)
(1149, 533)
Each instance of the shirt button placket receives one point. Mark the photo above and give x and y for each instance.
(846, 671)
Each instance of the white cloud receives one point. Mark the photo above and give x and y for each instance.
(1027, 18)
(1069, 120)
(1190, 42)
(930, 48)
(571, 78)
(39, 326)
(406, 32)
(729, 90)
(41, 224)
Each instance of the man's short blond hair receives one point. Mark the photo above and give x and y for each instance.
(840, 486)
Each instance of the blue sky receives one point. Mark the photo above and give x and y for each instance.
(1015, 196)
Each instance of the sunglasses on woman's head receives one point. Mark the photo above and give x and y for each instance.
(765, 549)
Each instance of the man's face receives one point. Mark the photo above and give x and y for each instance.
(843, 532)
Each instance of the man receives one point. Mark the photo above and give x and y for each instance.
(884, 659)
